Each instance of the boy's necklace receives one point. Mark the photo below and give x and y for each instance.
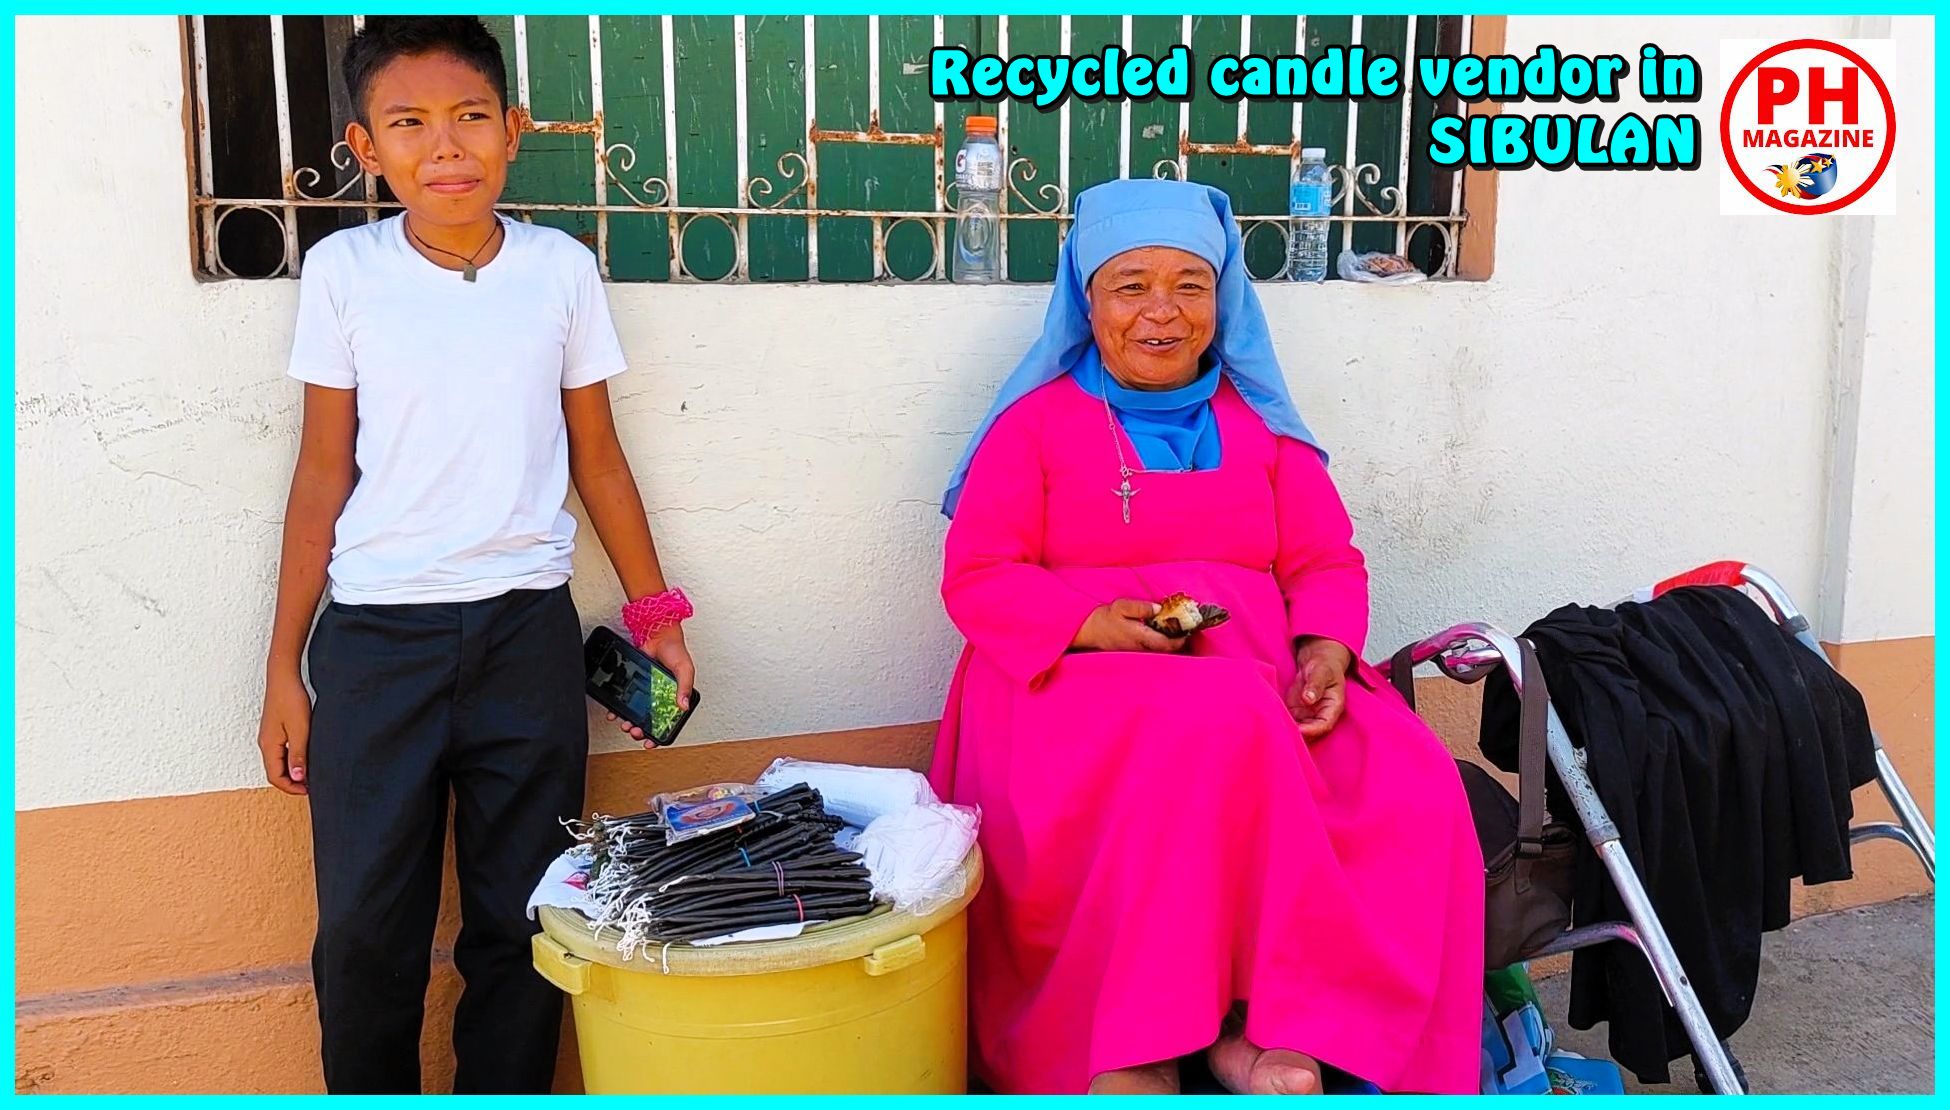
(468, 271)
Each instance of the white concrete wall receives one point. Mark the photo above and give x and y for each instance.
(1643, 385)
(1880, 580)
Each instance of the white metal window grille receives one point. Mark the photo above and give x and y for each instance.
(903, 242)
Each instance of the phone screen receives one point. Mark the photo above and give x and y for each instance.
(644, 692)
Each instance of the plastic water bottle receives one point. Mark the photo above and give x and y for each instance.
(1307, 212)
(978, 193)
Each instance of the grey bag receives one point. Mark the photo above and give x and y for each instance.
(1527, 857)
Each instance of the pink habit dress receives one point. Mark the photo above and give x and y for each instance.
(1161, 840)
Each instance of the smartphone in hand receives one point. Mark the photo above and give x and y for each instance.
(635, 687)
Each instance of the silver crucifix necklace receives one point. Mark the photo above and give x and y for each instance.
(1125, 490)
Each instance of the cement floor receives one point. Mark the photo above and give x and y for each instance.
(1846, 1004)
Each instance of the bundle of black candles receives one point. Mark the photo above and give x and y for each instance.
(780, 867)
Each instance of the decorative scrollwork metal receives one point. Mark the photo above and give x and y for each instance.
(1024, 170)
(684, 226)
(760, 188)
(932, 227)
(614, 166)
(342, 160)
(1352, 178)
(1445, 231)
(222, 215)
(1249, 227)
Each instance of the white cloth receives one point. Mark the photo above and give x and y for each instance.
(914, 855)
(462, 451)
(855, 794)
(563, 885)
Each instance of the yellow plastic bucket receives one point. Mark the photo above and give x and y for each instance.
(875, 1005)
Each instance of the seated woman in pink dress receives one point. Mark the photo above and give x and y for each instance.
(1242, 841)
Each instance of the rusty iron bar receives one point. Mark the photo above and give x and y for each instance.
(874, 134)
(531, 125)
(599, 165)
(1237, 146)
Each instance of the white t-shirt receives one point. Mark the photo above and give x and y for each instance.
(462, 450)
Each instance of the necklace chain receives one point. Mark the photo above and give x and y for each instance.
(468, 270)
(1125, 490)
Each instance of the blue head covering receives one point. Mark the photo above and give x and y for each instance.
(1124, 215)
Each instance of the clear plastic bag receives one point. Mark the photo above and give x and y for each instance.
(704, 809)
(1378, 268)
(852, 793)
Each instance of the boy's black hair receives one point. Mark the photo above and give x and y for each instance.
(386, 38)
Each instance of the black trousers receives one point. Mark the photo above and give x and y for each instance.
(481, 700)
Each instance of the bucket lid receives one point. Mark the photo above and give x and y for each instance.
(817, 946)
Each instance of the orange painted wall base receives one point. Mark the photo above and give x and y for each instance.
(212, 992)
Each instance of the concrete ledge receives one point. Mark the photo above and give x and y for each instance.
(252, 1032)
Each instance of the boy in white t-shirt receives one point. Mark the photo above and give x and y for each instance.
(454, 364)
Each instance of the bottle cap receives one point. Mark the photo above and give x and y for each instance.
(1319, 152)
(985, 124)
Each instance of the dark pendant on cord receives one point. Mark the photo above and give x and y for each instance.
(468, 271)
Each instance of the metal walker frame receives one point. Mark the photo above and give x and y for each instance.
(1468, 652)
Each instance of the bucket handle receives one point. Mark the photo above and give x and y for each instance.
(558, 965)
(889, 958)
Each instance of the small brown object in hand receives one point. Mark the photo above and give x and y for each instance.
(1179, 616)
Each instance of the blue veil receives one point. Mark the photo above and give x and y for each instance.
(1123, 215)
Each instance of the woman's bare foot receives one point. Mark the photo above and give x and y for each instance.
(1150, 1079)
(1244, 1068)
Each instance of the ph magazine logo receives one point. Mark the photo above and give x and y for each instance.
(1807, 127)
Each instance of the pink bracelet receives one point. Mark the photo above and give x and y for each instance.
(654, 614)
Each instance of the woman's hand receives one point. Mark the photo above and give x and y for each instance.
(669, 649)
(1119, 626)
(284, 732)
(1318, 695)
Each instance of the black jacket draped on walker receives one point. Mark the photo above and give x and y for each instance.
(1726, 753)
